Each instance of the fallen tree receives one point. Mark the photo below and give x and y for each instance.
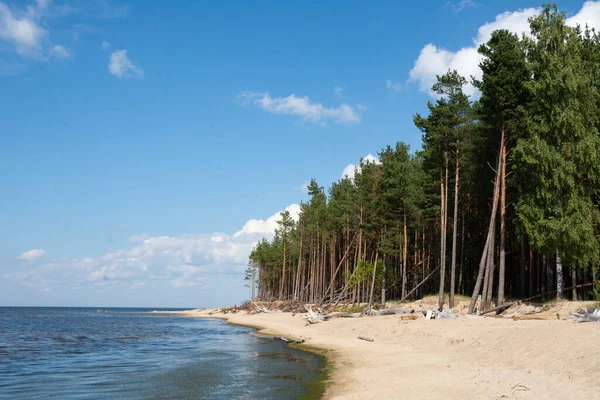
(315, 317)
(505, 306)
(587, 315)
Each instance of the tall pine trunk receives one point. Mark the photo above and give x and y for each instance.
(444, 235)
(454, 229)
(404, 255)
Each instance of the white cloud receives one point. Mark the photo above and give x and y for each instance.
(260, 226)
(122, 67)
(181, 261)
(395, 86)
(105, 45)
(434, 61)
(139, 238)
(27, 31)
(589, 14)
(339, 92)
(32, 255)
(301, 107)
(462, 4)
(24, 32)
(352, 169)
(58, 52)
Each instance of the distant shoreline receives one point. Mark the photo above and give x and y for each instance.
(461, 358)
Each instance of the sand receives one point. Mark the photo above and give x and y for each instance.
(461, 358)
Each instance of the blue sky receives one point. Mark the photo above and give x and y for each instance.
(146, 146)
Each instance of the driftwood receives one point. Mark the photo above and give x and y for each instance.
(318, 316)
(436, 314)
(282, 339)
(388, 311)
(408, 317)
(536, 317)
(315, 317)
(587, 315)
(505, 306)
(368, 339)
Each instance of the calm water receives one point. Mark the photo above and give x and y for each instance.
(69, 353)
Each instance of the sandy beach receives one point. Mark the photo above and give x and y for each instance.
(460, 358)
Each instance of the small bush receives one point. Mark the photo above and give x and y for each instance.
(246, 305)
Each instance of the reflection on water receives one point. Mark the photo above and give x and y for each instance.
(128, 354)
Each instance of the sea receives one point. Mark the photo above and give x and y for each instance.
(127, 353)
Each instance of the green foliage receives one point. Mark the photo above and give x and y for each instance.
(596, 292)
(558, 159)
(543, 93)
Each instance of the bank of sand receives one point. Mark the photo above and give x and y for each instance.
(461, 358)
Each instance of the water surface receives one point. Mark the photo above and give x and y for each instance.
(78, 353)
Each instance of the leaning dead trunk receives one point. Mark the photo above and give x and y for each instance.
(373, 281)
(482, 263)
(502, 264)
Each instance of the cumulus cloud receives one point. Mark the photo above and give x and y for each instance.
(300, 107)
(434, 60)
(139, 238)
(26, 30)
(180, 261)
(339, 92)
(352, 169)
(32, 255)
(121, 66)
(105, 45)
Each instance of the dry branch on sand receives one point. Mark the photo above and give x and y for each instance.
(587, 315)
(315, 317)
(536, 317)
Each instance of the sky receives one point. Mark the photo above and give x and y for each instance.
(145, 147)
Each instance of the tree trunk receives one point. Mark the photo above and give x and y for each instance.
(523, 268)
(454, 229)
(405, 253)
(282, 285)
(502, 264)
(461, 267)
(443, 246)
(491, 228)
(383, 284)
(531, 271)
(491, 269)
(559, 276)
(253, 280)
(574, 282)
(299, 270)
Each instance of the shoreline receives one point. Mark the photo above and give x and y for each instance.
(316, 387)
(460, 358)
